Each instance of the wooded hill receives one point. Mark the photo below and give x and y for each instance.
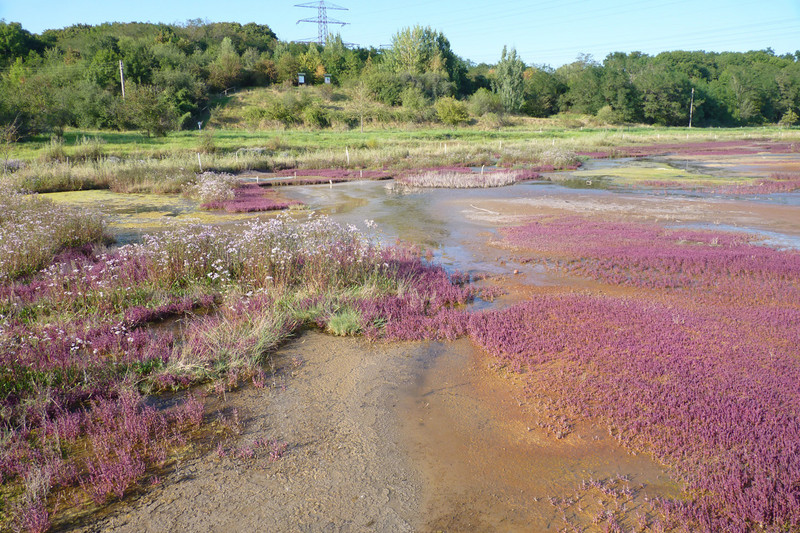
(175, 73)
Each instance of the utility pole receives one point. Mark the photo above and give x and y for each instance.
(122, 79)
(691, 109)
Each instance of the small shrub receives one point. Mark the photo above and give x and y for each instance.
(451, 111)
(206, 143)
(493, 121)
(414, 99)
(607, 115)
(484, 101)
(316, 117)
(789, 119)
(276, 143)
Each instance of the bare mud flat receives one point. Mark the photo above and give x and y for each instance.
(344, 469)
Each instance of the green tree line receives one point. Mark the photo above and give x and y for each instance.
(173, 72)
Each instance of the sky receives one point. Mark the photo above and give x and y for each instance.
(544, 32)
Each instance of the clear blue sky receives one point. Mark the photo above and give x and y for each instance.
(544, 32)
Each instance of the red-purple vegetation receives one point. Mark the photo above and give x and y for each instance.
(336, 173)
(324, 176)
(704, 373)
(427, 312)
(777, 183)
(250, 198)
(710, 148)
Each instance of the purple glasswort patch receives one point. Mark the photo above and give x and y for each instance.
(709, 148)
(701, 366)
(251, 198)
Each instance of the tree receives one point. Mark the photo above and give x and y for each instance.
(226, 70)
(15, 42)
(542, 90)
(509, 82)
(666, 95)
(582, 81)
(618, 89)
(9, 135)
(359, 94)
(149, 109)
(421, 50)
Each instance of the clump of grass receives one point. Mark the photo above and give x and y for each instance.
(53, 151)
(345, 322)
(89, 149)
(126, 176)
(207, 144)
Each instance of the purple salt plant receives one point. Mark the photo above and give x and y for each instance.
(647, 255)
(710, 148)
(250, 198)
(125, 437)
(703, 375)
(107, 477)
(277, 450)
(34, 518)
(777, 183)
(427, 311)
(140, 315)
(335, 173)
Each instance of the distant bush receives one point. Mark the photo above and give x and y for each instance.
(789, 119)
(315, 116)
(206, 144)
(384, 87)
(451, 111)
(414, 99)
(484, 101)
(493, 121)
(607, 115)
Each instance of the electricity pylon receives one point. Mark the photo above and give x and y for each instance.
(322, 19)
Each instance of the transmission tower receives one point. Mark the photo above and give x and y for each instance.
(322, 19)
